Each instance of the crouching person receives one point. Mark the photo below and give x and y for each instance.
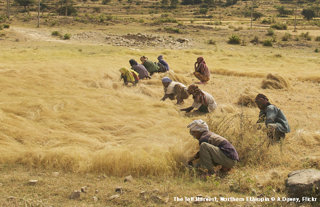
(214, 149)
(174, 90)
(202, 100)
(129, 76)
(276, 122)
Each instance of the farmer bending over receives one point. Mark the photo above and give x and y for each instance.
(214, 149)
(277, 124)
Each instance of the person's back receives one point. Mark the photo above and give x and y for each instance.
(129, 76)
(149, 65)
(163, 65)
(276, 122)
(143, 73)
(275, 116)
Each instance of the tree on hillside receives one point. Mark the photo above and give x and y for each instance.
(8, 8)
(174, 3)
(231, 2)
(164, 2)
(66, 8)
(104, 2)
(284, 12)
(191, 2)
(24, 3)
(209, 2)
(308, 14)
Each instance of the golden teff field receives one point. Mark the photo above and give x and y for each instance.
(67, 121)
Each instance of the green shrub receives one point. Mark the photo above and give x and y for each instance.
(211, 42)
(267, 43)
(3, 18)
(234, 39)
(67, 36)
(305, 36)
(255, 40)
(173, 30)
(284, 12)
(243, 43)
(165, 20)
(316, 50)
(308, 13)
(317, 38)
(270, 32)
(279, 26)
(266, 21)
(96, 9)
(256, 15)
(104, 2)
(56, 33)
(286, 37)
(164, 15)
(71, 10)
(203, 11)
(6, 26)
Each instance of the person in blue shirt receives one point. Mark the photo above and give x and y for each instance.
(276, 122)
(164, 67)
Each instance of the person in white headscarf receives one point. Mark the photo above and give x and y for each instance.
(174, 90)
(214, 149)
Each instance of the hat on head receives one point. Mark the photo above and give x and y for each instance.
(198, 125)
(133, 62)
(261, 96)
(160, 57)
(166, 80)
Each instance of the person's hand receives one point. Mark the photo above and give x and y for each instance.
(259, 126)
(261, 119)
(188, 110)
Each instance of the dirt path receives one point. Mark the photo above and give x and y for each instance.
(97, 37)
(36, 34)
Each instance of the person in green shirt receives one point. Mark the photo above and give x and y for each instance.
(149, 65)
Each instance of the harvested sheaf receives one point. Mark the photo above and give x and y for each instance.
(235, 73)
(312, 79)
(274, 82)
(247, 98)
(173, 76)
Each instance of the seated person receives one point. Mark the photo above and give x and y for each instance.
(201, 70)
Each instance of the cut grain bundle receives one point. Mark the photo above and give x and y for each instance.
(247, 98)
(179, 78)
(275, 82)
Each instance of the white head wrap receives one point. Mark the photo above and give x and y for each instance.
(198, 125)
